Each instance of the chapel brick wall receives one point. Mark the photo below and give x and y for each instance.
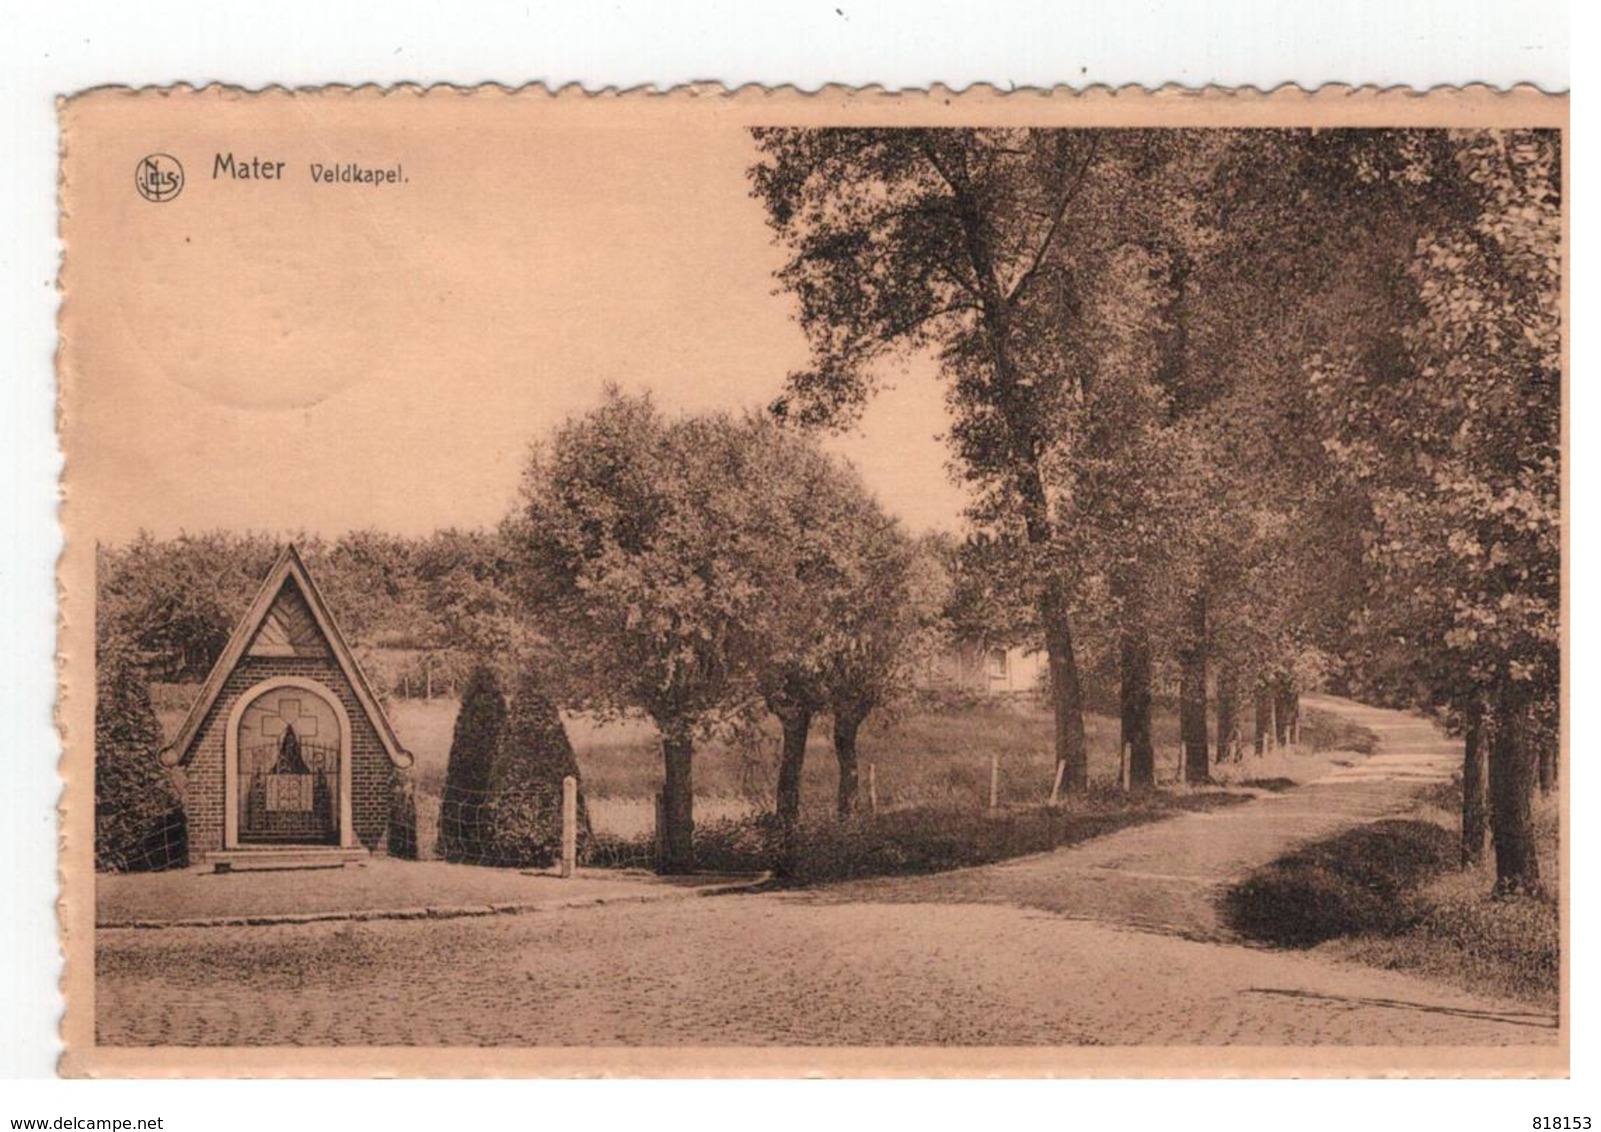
(373, 776)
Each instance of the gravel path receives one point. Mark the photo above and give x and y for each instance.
(1110, 943)
(1166, 877)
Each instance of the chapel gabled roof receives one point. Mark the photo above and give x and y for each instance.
(288, 571)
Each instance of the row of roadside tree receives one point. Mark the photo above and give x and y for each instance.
(1261, 408)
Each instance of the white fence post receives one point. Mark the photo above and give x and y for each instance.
(872, 788)
(569, 825)
(995, 779)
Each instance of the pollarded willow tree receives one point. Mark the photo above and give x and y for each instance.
(826, 534)
(696, 569)
(636, 557)
(849, 619)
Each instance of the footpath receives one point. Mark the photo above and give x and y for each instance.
(1166, 876)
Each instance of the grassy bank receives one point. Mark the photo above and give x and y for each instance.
(915, 839)
(1465, 937)
(1392, 895)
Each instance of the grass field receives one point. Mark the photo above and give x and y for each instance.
(927, 756)
(919, 758)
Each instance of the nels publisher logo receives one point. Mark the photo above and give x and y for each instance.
(158, 178)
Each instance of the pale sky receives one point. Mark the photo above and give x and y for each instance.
(279, 355)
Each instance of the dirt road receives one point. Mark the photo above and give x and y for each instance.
(1109, 943)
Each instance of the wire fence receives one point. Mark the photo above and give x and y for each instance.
(521, 826)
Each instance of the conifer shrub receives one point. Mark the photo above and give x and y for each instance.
(480, 726)
(139, 822)
(523, 821)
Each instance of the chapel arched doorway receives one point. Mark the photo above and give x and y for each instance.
(289, 746)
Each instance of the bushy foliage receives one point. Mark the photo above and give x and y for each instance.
(1360, 882)
(520, 827)
(177, 599)
(139, 822)
(1513, 943)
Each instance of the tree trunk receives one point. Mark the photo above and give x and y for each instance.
(1263, 709)
(797, 725)
(1517, 866)
(1475, 797)
(1192, 695)
(846, 725)
(1286, 709)
(1021, 423)
(678, 795)
(1547, 763)
(1135, 673)
(1228, 711)
(1067, 695)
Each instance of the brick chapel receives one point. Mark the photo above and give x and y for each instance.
(286, 756)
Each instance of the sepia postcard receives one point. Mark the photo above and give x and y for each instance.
(754, 583)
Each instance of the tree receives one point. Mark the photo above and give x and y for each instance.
(884, 628)
(138, 820)
(175, 601)
(366, 577)
(842, 631)
(1453, 429)
(480, 725)
(819, 520)
(641, 553)
(970, 242)
(468, 611)
(1131, 489)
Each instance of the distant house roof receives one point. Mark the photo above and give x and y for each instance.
(298, 625)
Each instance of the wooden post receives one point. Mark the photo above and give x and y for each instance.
(569, 825)
(995, 779)
(1125, 758)
(1273, 724)
(872, 788)
(1056, 786)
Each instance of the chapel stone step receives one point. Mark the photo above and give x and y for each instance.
(285, 857)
